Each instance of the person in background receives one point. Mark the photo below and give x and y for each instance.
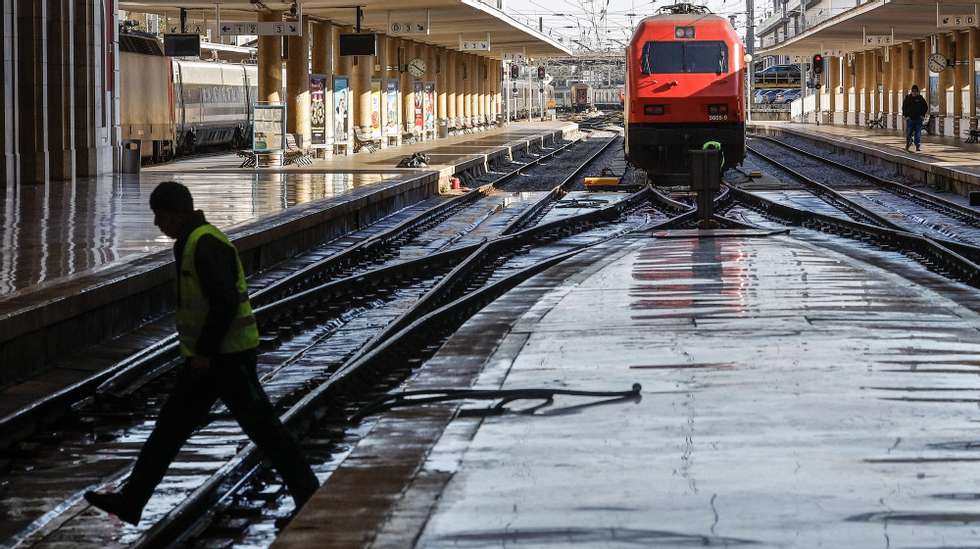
(914, 109)
(218, 339)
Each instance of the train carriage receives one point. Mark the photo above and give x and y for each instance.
(685, 87)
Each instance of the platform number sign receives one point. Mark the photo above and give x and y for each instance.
(541, 72)
(515, 72)
(956, 21)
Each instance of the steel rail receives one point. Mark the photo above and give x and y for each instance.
(20, 423)
(932, 254)
(537, 209)
(936, 203)
(832, 196)
(348, 380)
(966, 250)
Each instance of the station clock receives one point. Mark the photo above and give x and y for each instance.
(416, 67)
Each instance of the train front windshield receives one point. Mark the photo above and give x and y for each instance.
(702, 56)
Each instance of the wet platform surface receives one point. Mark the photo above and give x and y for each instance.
(60, 230)
(443, 152)
(796, 393)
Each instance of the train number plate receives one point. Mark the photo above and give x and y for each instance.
(714, 117)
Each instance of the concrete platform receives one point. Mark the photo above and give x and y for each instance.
(447, 156)
(945, 163)
(796, 393)
(83, 263)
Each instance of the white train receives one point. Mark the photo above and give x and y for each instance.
(173, 106)
(607, 98)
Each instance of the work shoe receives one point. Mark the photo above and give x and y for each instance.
(918, 148)
(115, 504)
(908, 146)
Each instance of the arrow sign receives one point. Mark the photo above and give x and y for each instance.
(261, 28)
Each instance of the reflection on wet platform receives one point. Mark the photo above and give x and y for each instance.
(60, 229)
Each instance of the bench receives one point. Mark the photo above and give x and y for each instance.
(295, 155)
(930, 125)
(974, 136)
(878, 122)
(408, 138)
(362, 142)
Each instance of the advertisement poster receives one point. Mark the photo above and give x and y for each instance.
(269, 128)
(430, 105)
(318, 109)
(391, 107)
(376, 108)
(419, 106)
(341, 103)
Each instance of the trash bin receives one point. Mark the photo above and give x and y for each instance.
(443, 128)
(131, 157)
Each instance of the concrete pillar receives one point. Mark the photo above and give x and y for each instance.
(492, 73)
(833, 83)
(93, 112)
(322, 63)
(460, 82)
(972, 72)
(442, 103)
(450, 69)
(468, 102)
(847, 83)
(484, 90)
(298, 85)
(959, 49)
(61, 130)
(945, 85)
(361, 90)
(408, 88)
(8, 98)
(390, 72)
(31, 83)
(270, 61)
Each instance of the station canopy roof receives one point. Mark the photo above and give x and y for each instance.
(448, 20)
(847, 32)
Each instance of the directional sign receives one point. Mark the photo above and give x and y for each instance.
(474, 45)
(955, 21)
(261, 28)
(408, 27)
(877, 39)
(192, 28)
(518, 58)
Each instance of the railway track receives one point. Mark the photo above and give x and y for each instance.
(870, 198)
(949, 258)
(358, 301)
(366, 250)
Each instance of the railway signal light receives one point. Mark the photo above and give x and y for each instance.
(817, 64)
(515, 72)
(541, 72)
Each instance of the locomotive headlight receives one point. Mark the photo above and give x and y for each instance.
(654, 110)
(717, 109)
(683, 32)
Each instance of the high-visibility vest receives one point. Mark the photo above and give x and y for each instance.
(192, 306)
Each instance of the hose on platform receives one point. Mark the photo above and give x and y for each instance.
(506, 396)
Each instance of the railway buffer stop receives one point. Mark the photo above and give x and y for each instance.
(872, 54)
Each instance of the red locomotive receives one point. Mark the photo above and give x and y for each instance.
(685, 86)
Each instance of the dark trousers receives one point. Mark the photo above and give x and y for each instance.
(231, 378)
(913, 131)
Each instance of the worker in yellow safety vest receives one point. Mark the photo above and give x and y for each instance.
(218, 340)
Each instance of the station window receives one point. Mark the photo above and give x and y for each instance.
(703, 56)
